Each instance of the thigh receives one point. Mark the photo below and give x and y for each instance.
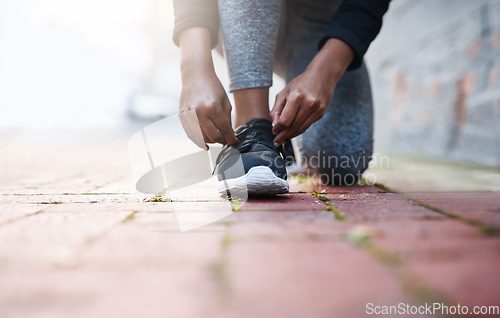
(303, 24)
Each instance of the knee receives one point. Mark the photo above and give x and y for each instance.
(334, 169)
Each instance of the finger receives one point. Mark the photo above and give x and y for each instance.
(188, 129)
(307, 123)
(302, 114)
(211, 131)
(222, 121)
(279, 103)
(225, 129)
(288, 114)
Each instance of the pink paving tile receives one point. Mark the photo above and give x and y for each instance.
(303, 279)
(288, 232)
(144, 245)
(309, 187)
(432, 240)
(116, 292)
(364, 196)
(472, 281)
(480, 206)
(286, 202)
(259, 217)
(447, 255)
(18, 211)
(378, 206)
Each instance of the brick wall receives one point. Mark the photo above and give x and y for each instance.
(435, 71)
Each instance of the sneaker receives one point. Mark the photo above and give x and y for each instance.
(264, 169)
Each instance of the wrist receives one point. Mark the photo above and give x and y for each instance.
(196, 53)
(332, 60)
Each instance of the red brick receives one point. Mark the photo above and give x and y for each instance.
(448, 256)
(292, 227)
(318, 187)
(260, 217)
(307, 280)
(378, 206)
(472, 281)
(480, 206)
(51, 238)
(116, 292)
(286, 202)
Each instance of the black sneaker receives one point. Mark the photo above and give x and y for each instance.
(261, 170)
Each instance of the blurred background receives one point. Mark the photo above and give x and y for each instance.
(110, 66)
(436, 80)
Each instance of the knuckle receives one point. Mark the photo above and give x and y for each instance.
(323, 110)
(284, 123)
(209, 107)
(313, 103)
(297, 95)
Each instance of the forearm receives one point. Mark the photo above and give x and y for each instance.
(332, 60)
(357, 23)
(196, 53)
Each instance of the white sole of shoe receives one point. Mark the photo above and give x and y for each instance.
(258, 180)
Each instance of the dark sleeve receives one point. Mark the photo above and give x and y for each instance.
(196, 13)
(357, 23)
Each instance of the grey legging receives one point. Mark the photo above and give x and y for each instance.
(265, 35)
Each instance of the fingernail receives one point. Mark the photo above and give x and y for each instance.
(276, 144)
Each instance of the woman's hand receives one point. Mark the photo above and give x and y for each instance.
(202, 91)
(307, 97)
(204, 94)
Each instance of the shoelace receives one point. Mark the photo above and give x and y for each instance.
(249, 136)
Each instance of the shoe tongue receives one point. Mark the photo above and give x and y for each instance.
(254, 122)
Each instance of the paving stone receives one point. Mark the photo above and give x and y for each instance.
(123, 185)
(196, 193)
(69, 198)
(116, 292)
(18, 211)
(480, 206)
(378, 206)
(52, 238)
(289, 231)
(285, 202)
(300, 187)
(155, 245)
(277, 257)
(152, 207)
(418, 174)
(306, 280)
(470, 281)
(447, 255)
(364, 196)
(300, 216)
(428, 240)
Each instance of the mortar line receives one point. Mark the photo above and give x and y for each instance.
(484, 228)
(14, 220)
